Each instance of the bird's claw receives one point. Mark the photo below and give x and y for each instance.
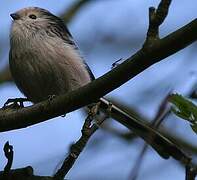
(51, 97)
(15, 103)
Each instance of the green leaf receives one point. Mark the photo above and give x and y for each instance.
(184, 109)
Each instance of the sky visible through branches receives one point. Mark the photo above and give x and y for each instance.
(105, 32)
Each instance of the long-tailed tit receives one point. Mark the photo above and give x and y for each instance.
(44, 61)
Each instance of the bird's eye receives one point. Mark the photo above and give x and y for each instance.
(32, 16)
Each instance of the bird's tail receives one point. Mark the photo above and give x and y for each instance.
(161, 144)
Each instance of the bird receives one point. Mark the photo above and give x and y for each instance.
(45, 60)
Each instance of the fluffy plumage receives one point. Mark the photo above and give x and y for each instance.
(44, 59)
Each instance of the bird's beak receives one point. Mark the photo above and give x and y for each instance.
(15, 16)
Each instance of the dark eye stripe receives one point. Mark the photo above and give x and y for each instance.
(32, 16)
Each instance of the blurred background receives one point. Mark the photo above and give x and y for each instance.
(105, 31)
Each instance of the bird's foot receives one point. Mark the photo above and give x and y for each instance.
(15, 103)
(51, 97)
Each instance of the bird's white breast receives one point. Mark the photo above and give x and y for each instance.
(43, 66)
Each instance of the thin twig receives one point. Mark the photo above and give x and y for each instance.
(156, 18)
(87, 131)
(8, 151)
(190, 172)
(160, 116)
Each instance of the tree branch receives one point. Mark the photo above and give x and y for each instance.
(22, 173)
(25, 173)
(150, 54)
(87, 131)
(20, 118)
(156, 18)
(8, 151)
(191, 172)
(159, 118)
